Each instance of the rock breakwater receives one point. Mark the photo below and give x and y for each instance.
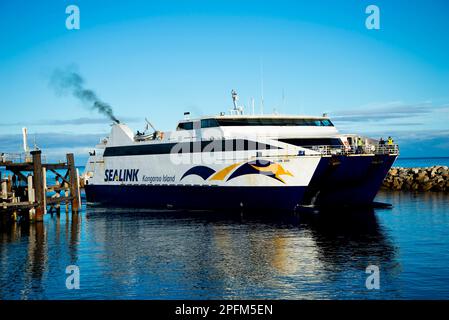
(435, 178)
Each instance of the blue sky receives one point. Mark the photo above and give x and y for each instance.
(157, 59)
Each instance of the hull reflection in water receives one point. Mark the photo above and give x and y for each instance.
(197, 255)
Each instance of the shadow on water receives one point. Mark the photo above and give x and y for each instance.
(129, 253)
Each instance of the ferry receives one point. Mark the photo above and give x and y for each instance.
(237, 161)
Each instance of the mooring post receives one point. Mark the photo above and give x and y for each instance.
(4, 189)
(66, 195)
(14, 213)
(44, 183)
(58, 206)
(38, 184)
(31, 198)
(78, 188)
(74, 184)
(9, 183)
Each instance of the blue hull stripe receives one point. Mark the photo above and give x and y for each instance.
(196, 197)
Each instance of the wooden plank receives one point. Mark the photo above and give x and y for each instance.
(17, 205)
(64, 179)
(55, 166)
(18, 166)
(56, 188)
(58, 200)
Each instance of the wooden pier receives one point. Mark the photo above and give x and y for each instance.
(25, 194)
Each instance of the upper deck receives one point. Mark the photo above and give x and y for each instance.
(254, 121)
(262, 126)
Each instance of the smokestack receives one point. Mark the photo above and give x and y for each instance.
(69, 81)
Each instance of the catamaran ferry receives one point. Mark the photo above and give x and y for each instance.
(230, 161)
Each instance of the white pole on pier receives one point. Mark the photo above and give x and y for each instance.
(25, 139)
(31, 195)
(78, 186)
(44, 181)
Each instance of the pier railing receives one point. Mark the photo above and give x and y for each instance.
(22, 157)
(348, 150)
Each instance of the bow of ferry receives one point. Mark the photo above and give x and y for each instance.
(347, 178)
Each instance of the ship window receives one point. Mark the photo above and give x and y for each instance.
(185, 126)
(234, 145)
(271, 122)
(209, 123)
(187, 147)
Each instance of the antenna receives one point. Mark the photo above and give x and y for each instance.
(252, 104)
(235, 97)
(149, 124)
(283, 100)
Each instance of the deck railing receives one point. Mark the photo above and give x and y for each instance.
(348, 150)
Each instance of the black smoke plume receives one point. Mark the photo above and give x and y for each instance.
(70, 81)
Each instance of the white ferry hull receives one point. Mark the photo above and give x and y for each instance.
(154, 181)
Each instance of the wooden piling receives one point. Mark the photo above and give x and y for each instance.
(9, 184)
(4, 189)
(66, 196)
(31, 198)
(44, 185)
(74, 184)
(38, 185)
(58, 206)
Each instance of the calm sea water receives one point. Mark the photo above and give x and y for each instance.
(149, 254)
(421, 162)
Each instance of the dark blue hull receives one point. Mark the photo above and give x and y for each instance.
(197, 197)
(348, 180)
